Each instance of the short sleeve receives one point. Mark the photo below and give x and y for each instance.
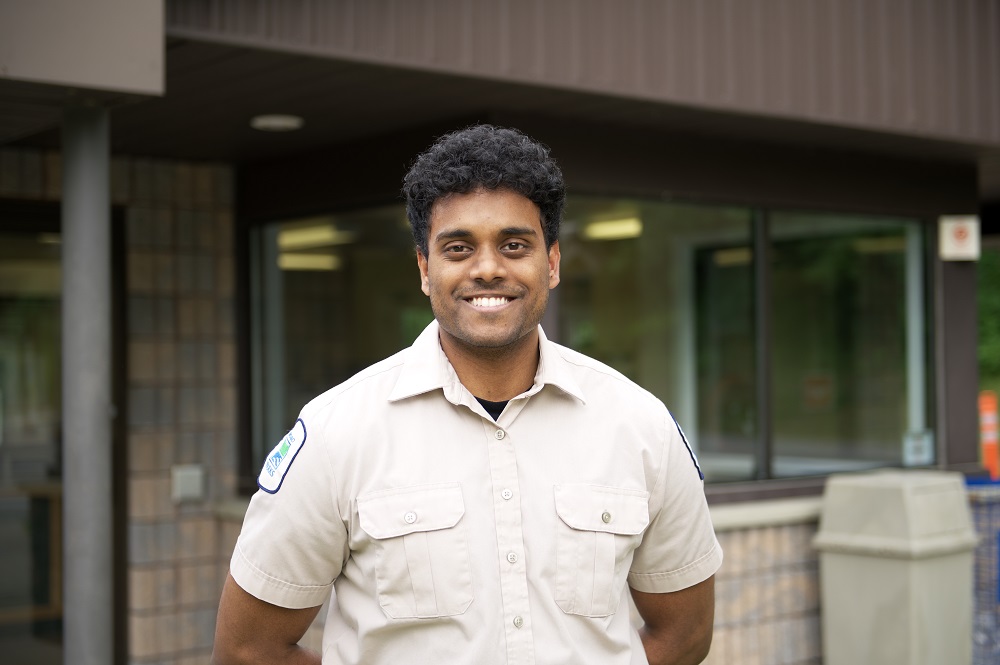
(679, 548)
(294, 541)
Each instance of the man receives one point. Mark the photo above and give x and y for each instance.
(485, 496)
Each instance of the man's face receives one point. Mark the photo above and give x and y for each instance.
(487, 271)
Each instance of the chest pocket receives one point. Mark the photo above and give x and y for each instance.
(600, 528)
(421, 553)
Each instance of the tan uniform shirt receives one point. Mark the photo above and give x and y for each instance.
(451, 538)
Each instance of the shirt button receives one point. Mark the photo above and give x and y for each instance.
(518, 622)
(507, 495)
(500, 434)
(512, 557)
(606, 516)
(410, 517)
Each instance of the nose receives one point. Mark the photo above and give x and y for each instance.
(487, 266)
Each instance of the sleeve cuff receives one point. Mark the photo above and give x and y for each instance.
(270, 589)
(697, 571)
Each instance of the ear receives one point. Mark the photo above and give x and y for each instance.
(422, 265)
(554, 265)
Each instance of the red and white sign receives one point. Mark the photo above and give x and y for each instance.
(958, 239)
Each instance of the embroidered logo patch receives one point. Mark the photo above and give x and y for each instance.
(280, 459)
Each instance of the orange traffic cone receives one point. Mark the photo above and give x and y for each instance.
(988, 433)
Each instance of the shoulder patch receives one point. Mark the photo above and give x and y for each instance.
(280, 459)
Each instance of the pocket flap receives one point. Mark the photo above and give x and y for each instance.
(598, 508)
(397, 512)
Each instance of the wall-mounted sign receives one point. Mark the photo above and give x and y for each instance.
(958, 238)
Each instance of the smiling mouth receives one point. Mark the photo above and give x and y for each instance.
(488, 302)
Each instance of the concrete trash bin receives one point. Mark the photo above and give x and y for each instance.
(896, 569)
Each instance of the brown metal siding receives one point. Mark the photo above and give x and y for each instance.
(919, 67)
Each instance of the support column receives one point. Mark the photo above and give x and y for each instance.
(763, 308)
(958, 366)
(86, 394)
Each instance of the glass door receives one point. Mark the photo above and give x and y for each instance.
(30, 464)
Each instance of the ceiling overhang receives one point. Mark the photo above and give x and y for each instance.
(214, 90)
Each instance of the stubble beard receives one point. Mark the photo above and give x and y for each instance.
(487, 346)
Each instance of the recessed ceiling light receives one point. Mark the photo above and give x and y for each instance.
(276, 122)
(313, 262)
(313, 236)
(733, 256)
(613, 229)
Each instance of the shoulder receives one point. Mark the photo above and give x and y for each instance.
(602, 383)
(374, 382)
(614, 398)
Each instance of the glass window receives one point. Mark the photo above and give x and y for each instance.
(848, 350)
(664, 292)
(331, 295)
(30, 466)
(726, 366)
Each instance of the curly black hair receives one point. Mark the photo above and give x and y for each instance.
(484, 157)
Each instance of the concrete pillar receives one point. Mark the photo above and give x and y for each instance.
(86, 394)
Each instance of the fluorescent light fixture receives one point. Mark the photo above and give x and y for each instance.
(296, 261)
(310, 237)
(276, 122)
(735, 256)
(613, 229)
(50, 238)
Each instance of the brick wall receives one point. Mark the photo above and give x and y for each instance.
(181, 398)
(767, 598)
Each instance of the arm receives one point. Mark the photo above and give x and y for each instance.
(678, 628)
(251, 631)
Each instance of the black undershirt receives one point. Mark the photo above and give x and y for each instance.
(492, 408)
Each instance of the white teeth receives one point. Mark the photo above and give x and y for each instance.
(488, 302)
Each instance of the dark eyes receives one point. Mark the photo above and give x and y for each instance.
(512, 246)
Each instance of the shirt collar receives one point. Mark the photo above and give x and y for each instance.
(553, 368)
(426, 368)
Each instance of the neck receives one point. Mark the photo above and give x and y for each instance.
(497, 374)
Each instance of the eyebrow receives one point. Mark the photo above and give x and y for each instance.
(454, 234)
